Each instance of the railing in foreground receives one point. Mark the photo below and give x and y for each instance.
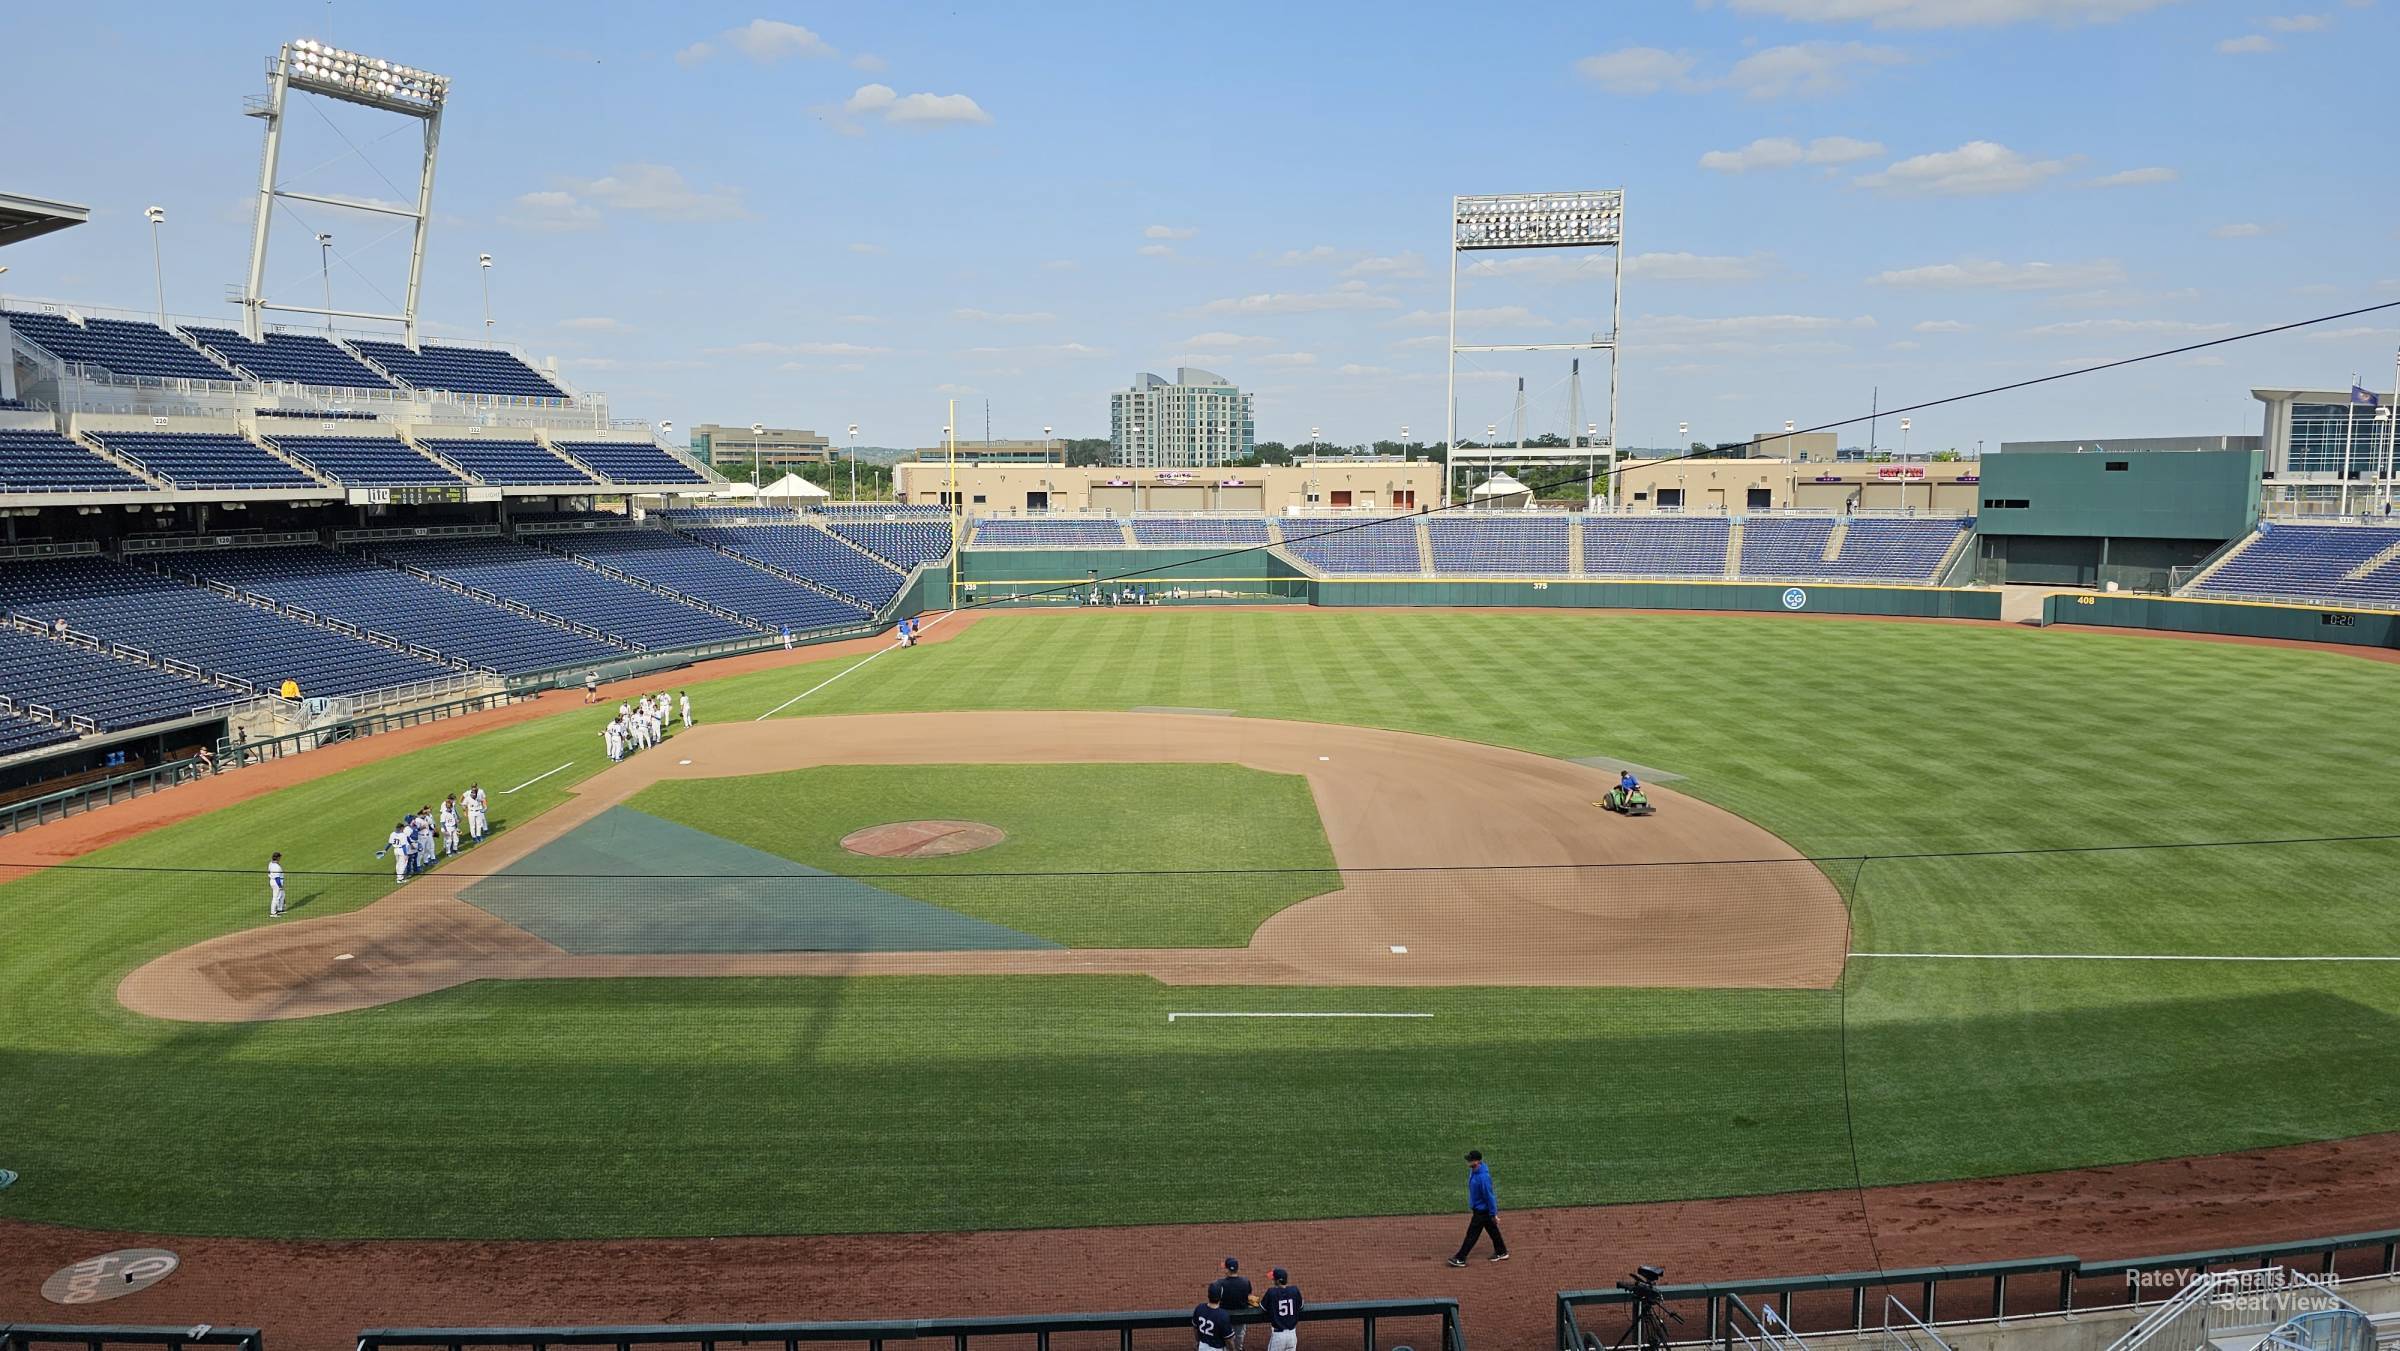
(35, 1336)
(960, 1333)
(92, 796)
(1751, 1313)
(233, 755)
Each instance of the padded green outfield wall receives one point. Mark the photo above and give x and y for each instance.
(1801, 598)
(2245, 619)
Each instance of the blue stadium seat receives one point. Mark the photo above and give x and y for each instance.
(1514, 546)
(508, 462)
(1047, 532)
(37, 461)
(126, 348)
(290, 358)
(1199, 531)
(1655, 546)
(2312, 563)
(903, 543)
(806, 551)
(629, 462)
(387, 600)
(205, 459)
(547, 582)
(694, 569)
(460, 370)
(1335, 545)
(20, 734)
(1897, 550)
(168, 618)
(113, 692)
(366, 461)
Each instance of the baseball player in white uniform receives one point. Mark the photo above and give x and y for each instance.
(397, 847)
(477, 821)
(449, 825)
(275, 885)
(685, 698)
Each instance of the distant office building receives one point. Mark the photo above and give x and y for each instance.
(1199, 422)
(1051, 451)
(1801, 446)
(2324, 453)
(774, 451)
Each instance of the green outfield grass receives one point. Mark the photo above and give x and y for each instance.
(1162, 823)
(837, 1104)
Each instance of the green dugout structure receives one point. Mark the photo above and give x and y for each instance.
(1062, 577)
(2091, 517)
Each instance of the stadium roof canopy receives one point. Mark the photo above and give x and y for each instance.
(23, 218)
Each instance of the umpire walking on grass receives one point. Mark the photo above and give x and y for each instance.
(1483, 1211)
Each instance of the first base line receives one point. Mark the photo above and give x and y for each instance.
(1173, 1016)
(536, 778)
(839, 674)
(2110, 957)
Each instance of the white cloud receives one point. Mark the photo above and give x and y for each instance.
(1949, 13)
(550, 213)
(2240, 230)
(1320, 253)
(1941, 326)
(869, 63)
(1978, 168)
(1354, 368)
(976, 316)
(1768, 152)
(2249, 44)
(598, 323)
(1806, 69)
(658, 190)
(765, 41)
(2084, 328)
(1421, 340)
(1904, 345)
(2299, 23)
(1398, 266)
(1300, 302)
(2135, 178)
(1545, 266)
(1286, 360)
(915, 110)
(1984, 274)
(1842, 149)
(1699, 267)
(1061, 265)
(1516, 315)
(1221, 341)
(866, 248)
(956, 391)
(1168, 232)
(1156, 251)
(1685, 329)
(802, 349)
(1636, 70)
(1071, 349)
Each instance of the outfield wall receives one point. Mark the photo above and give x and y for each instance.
(1231, 563)
(1765, 597)
(2235, 618)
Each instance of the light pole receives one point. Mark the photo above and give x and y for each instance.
(157, 216)
(1313, 447)
(325, 270)
(1904, 426)
(853, 461)
(1683, 437)
(1405, 448)
(1788, 424)
(2384, 416)
(485, 261)
(758, 432)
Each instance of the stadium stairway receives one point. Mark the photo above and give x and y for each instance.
(2359, 573)
(1574, 552)
(1733, 549)
(645, 584)
(297, 613)
(1424, 546)
(476, 593)
(88, 443)
(796, 578)
(1835, 541)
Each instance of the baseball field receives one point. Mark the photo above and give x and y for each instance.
(2064, 860)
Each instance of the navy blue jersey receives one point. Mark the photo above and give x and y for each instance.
(1283, 1305)
(1233, 1292)
(1213, 1324)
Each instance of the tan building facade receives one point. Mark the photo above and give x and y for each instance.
(1357, 483)
(1731, 487)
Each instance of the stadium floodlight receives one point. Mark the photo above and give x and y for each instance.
(320, 68)
(1593, 219)
(157, 216)
(485, 260)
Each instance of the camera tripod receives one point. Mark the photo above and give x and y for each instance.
(1648, 1329)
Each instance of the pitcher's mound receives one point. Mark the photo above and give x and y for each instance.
(922, 839)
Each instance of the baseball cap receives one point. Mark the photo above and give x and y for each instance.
(1280, 1275)
(1474, 1156)
(1233, 1264)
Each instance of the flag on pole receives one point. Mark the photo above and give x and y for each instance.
(2361, 394)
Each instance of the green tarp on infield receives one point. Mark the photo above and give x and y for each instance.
(629, 882)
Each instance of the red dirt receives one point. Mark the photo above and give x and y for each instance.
(315, 1295)
(922, 839)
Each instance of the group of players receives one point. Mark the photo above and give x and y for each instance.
(643, 723)
(1215, 1322)
(413, 843)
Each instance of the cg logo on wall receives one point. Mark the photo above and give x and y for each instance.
(108, 1276)
(1794, 598)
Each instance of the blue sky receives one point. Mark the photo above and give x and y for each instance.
(816, 215)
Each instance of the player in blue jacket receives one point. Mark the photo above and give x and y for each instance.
(1283, 1305)
(1483, 1207)
(1211, 1324)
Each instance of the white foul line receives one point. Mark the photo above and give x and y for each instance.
(1173, 1016)
(839, 674)
(535, 779)
(2107, 957)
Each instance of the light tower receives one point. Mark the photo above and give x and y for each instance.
(314, 67)
(1538, 220)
